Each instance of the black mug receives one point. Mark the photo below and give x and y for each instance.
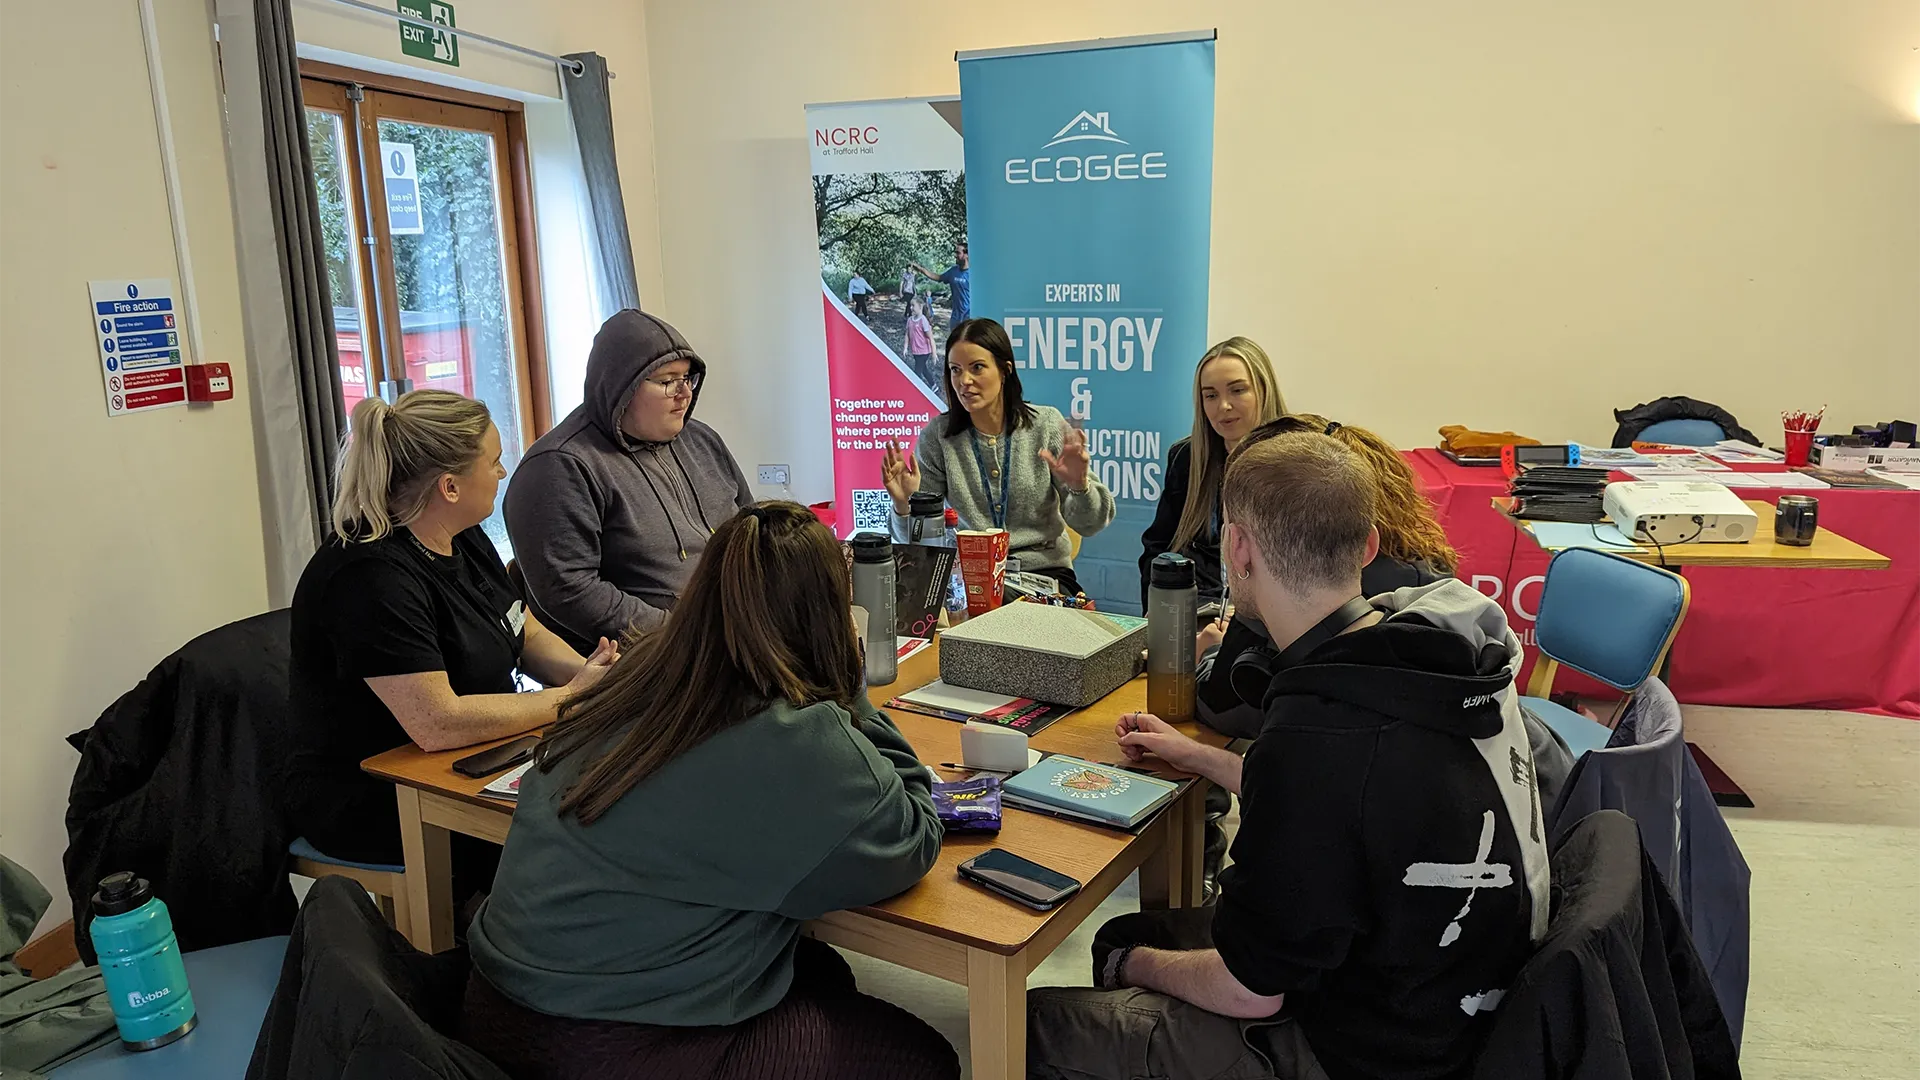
(1796, 519)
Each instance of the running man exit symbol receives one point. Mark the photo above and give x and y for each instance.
(440, 46)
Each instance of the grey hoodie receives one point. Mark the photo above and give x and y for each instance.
(606, 529)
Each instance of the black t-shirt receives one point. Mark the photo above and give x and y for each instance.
(385, 607)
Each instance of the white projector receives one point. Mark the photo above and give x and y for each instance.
(1680, 512)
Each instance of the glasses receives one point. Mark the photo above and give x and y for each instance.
(672, 386)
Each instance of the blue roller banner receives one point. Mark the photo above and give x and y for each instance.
(1089, 209)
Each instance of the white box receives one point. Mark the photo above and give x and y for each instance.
(1861, 458)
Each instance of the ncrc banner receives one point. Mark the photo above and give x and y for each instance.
(889, 202)
(1090, 208)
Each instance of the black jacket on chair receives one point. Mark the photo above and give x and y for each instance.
(356, 1001)
(1616, 990)
(1641, 417)
(177, 783)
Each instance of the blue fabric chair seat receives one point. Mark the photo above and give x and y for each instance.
(1580, 733)
(301, 849)
(231, 985)
(1682, 433)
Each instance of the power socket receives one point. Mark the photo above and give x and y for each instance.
(775, 475)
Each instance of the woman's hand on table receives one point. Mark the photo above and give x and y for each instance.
(604, 656)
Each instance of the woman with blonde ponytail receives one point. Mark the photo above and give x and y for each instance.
(726, 782)
(405, 626)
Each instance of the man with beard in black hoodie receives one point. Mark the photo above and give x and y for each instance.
(609, 511)
(1390, 874)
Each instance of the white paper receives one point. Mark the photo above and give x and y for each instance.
(938, 694)
(507, 785)
(1733, 450)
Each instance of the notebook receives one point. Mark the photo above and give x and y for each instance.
(1074, 788)
(959, 704)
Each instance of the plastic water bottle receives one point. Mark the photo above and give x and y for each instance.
(873, 589)
(922, 525)
(957, 589)
(1172, 603)
(140, 960)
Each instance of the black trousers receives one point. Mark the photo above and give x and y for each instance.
(824, 1029)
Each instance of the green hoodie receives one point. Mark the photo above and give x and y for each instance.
(682, 904)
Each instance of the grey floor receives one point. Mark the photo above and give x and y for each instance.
(1834, 844)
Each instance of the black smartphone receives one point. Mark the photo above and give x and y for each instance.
(499, 759)
(1021, 880)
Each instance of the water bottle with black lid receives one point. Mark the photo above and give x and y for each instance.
(140, 960)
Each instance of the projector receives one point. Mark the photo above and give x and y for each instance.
(1680, 512)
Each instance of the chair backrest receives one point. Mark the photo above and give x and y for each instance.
(1609, 617)
(1647, 773)
(1682, 433)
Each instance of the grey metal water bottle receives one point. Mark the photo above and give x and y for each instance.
(926, 518)
(873, 589)
(1172, 602)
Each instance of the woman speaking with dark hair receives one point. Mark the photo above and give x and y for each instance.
(1000, 462)
(725, 782)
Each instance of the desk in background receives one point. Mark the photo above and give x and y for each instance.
(1837, 639)
(943, 926)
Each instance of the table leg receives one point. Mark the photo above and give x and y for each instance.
(1163, 876)
(1193, 848)
(429, 876)
(997, 1014)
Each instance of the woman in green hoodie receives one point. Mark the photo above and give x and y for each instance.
(727, 781)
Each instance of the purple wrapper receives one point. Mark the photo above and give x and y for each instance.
(971, 806)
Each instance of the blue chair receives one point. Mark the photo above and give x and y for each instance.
(1609, 618)
(232, 985)
(386, 881)
(1682, 433)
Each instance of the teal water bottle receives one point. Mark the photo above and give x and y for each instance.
(146, 982)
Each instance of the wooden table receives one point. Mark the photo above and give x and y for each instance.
(942, 926)
(1829, 550)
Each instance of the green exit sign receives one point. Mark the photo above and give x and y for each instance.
(440, 46)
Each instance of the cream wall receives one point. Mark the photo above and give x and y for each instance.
(120, 539)
(1499, 213)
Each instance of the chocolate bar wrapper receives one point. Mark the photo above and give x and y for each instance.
(970, 806)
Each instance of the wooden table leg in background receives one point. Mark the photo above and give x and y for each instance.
(1193, 847)
(429, 876)
(1170, 878)
(997, 1014)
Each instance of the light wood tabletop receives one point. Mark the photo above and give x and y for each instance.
(943, 926)
(1829, 550)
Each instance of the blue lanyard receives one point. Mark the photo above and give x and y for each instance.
(999, 509)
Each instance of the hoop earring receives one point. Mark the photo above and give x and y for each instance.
(1243, 575)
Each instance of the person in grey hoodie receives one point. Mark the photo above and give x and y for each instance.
(610, 510)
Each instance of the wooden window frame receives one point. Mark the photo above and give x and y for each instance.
(325, 86)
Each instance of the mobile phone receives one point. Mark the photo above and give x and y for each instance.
(1021, 880)
(499, 759)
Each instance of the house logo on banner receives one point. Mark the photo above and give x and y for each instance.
(1084, 127)
(1094, 168)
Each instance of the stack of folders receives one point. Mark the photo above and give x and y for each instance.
(1560, 493)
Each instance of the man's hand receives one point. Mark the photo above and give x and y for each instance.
(1198, 978)
(1141, 734)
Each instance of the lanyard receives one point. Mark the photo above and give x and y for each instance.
(998, 509)
(469, 592)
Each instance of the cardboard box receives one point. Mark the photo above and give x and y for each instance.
(1861, 458)
(1062, 655)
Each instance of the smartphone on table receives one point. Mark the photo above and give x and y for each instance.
(1020, 880)
(499, 759)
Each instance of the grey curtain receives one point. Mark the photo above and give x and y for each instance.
(303, 261)
(292, 374)
(592, 114)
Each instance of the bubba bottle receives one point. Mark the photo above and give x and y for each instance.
(1172, 604)
(873, 589)
(146, 982)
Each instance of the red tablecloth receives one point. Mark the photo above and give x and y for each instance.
(1828, 639)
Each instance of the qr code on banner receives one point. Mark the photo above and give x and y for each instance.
(872, 510)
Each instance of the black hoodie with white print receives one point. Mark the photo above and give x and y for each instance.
(1390, 874)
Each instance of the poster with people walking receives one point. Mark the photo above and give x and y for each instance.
(890, 207)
